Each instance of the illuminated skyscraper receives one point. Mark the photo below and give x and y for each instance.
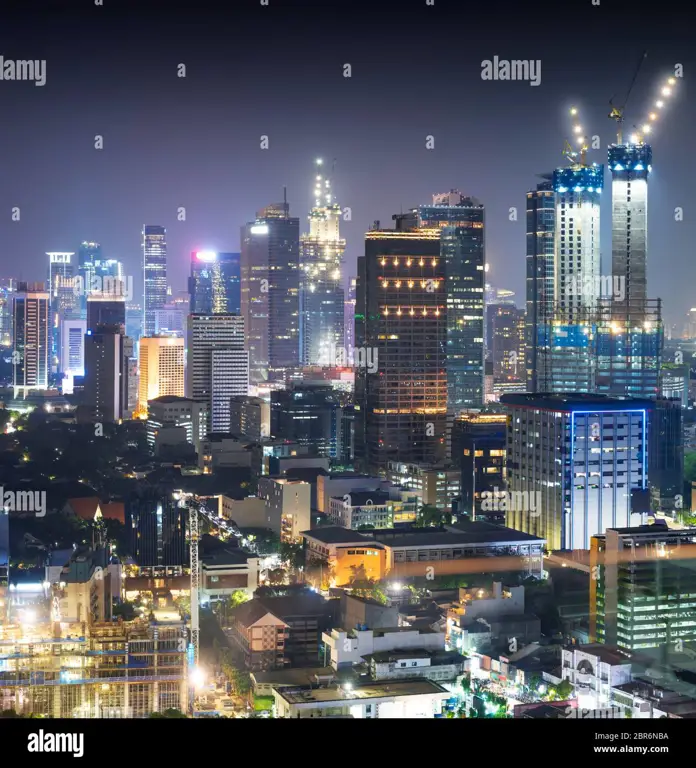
(89, 253)
(321, 289)
(630, 333)
(270, 292)
(214, 284)
(218, 364)
(7, 288)
(401, 324)
(32, 339)
(161, 369)
(461, 222)
(541, 217)
(349, 314)
(64, 298)
(154, 274)
(568, 346)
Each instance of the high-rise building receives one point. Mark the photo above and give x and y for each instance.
(568, 344)
(308, 415)
(32, 339)
(64, 298)
(401, 324)
(666, 456)
(156, 526)
(7, 288)
(105, 385)
(217, 365)
(642, 587)
(462, 247)
(478, 449)
(214, 284)
(541, 218)
(321, 288)
(506, 326)
(630, 331)
(154, 274)
(89, 254)
(270, 292)
(134, 321)
(577, 464)
(72, 357)
(161, 369)
(349, 314)
(250, 417)
(105, 310)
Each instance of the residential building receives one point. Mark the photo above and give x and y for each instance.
(31, 340)
(287, 507)
(594, 670)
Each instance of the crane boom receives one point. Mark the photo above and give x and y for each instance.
(617, 113)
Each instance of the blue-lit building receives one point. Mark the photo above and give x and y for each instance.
(566, 340)
(460, 220)
(214, 284)
(154, 275)
(541, 218)
(577, 464)
(630, 329)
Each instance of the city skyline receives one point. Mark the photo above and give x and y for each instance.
(506, 135)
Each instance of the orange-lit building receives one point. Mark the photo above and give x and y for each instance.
(346, 555)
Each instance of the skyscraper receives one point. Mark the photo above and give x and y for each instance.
(541, 218)
(568, 350)
(218, 364)
(321, 288)
(105, 310)
(630, 332)
(161, 369)
(154, 274)
(63, 297)
(270, 292)
(72, 356)
(401, 323)
(7, 288)
(106, 390)
(214, 284)
(89, 254)
(462, 246)
(349, 314)
(32, 340)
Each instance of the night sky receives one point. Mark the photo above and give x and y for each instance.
(278, 70)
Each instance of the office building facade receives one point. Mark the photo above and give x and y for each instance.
(576, 465)
(214, 283)
(401, 321)
(270, 292)
(161, 369)
(154, 275)
(32, 339)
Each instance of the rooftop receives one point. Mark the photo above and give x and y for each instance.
(573, 401)
(386, 689)
(605, 653)
(463, 533)
(335, 534)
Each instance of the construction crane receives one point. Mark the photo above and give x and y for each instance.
(617, 113)
(666, 90)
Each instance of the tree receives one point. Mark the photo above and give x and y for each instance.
(168, 714)
(564, 689)
(125, 610)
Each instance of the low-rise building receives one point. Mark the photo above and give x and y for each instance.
(221, 450)
(380, 509)
(340, 556)
(594, 670)
(391, 699)
(435, 485)
(288, 510)
(440, 666)
(226, 569)
(350, 647)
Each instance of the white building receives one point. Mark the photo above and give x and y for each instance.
(594, 670)
(350, 647)
(392, 699)
(288, 506)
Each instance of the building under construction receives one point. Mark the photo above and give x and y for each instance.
(107, 670)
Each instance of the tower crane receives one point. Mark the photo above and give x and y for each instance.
(617, 113)
(577, 157)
